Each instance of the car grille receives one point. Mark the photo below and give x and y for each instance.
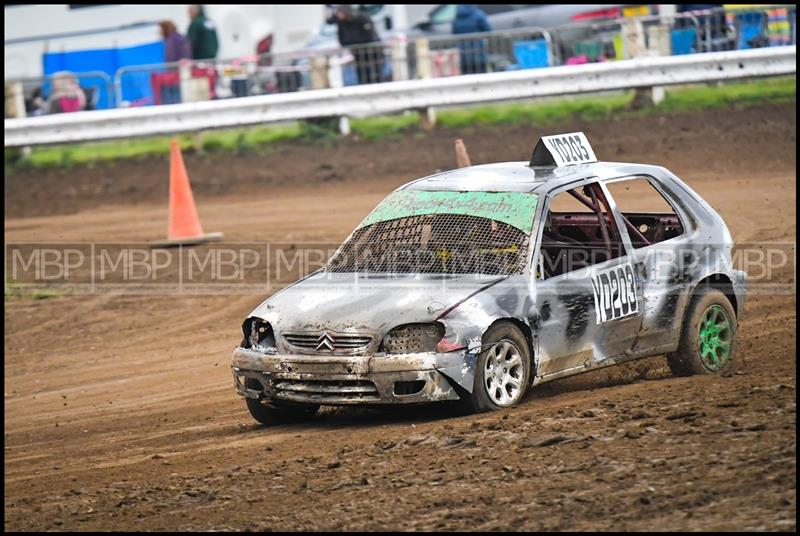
(322, 391)
(328, 342)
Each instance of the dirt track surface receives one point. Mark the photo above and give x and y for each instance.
(120, 411)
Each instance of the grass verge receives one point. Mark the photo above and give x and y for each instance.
(16, 291)
(540, 112)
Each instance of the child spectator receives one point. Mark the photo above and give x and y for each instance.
(176, 46)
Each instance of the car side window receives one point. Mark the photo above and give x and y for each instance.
(578, 232)
(444, 14)
(647, 215)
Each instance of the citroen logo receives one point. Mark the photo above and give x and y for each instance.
(325, 341)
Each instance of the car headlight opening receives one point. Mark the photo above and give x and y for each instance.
(414, 338)
(258, 334)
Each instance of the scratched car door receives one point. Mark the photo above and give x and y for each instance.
(658, 230)
(588, 298)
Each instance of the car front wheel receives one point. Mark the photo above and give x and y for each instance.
(502, 371)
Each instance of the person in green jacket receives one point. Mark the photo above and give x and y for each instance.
(202, 35)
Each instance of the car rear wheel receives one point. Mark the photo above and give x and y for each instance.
(502, 371)
(708, 340)
(269, 412)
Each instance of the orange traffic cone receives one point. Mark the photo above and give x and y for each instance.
(184, 224)
(462, 158)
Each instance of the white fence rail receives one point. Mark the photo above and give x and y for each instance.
(378, 99)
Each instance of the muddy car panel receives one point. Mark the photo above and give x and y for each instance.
(559, 315)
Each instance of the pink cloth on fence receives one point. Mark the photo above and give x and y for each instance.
(69, 104)
(578, 60)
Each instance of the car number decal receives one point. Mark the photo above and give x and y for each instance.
(614, 293)
(569, 149)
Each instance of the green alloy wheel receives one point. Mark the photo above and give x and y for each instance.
(715, 338)
(708, 337)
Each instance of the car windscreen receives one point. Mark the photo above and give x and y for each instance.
(417, 231)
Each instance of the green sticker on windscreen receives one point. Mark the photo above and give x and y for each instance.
(514, 208)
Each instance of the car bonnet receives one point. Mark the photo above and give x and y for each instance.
(374, 302)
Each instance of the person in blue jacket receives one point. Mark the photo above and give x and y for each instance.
(470, 19)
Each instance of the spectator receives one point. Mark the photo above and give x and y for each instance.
(469, 19)
(36, 104)
(356, 30)
(176, 46)
(202, 35)
(67, 95)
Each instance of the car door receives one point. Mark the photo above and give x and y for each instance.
(588, 299)
(658, 230)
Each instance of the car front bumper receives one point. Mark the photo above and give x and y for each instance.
(342, 380)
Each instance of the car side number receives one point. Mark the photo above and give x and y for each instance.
(614, 293)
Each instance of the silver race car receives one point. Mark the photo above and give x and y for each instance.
(476, 284)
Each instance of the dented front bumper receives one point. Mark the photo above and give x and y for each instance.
(338, 380)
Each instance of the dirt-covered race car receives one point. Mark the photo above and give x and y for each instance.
(476, 284)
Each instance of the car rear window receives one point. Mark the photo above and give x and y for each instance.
(415, 231)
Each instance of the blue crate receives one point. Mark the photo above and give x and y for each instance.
(684, 41)
(751, 29)
(531, 54)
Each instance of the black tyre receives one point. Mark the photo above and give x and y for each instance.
(502, 372)
(268, 413)
(708, 338)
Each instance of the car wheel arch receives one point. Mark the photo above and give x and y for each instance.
(721, 282)
(527, 332)
(717, 280)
